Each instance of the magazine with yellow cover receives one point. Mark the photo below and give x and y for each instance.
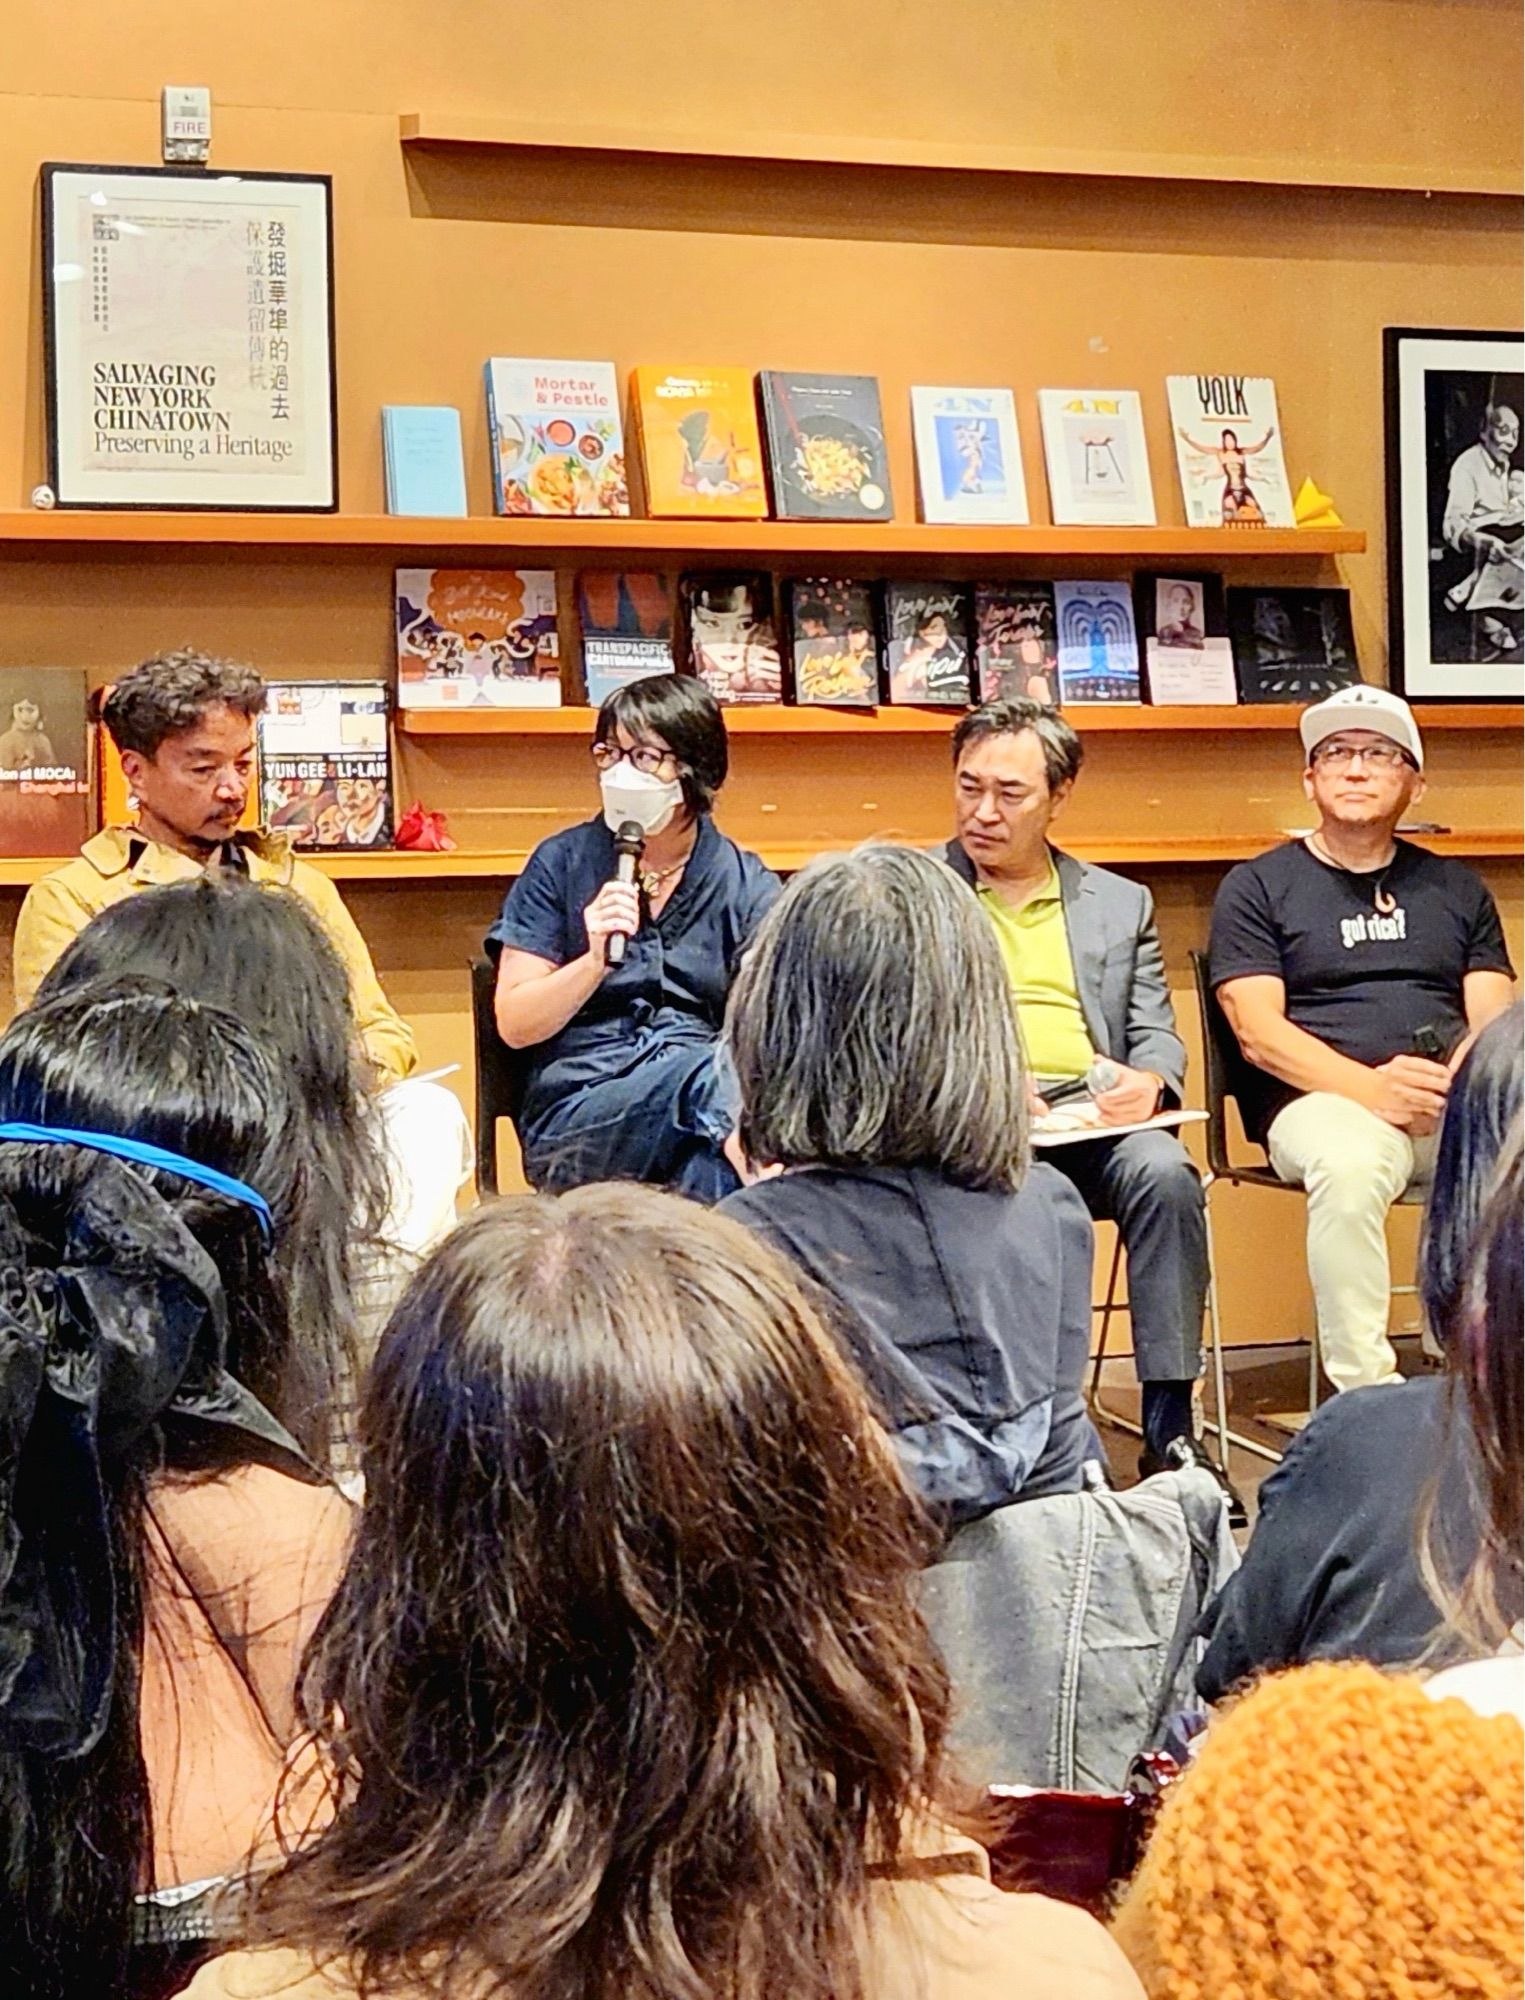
(701, 453)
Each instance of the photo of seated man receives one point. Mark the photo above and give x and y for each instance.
(1354, 969)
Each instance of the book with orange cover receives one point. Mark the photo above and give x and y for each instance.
(700, 448)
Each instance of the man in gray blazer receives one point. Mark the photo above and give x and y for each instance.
(1084, 959)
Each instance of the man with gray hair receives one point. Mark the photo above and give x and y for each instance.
(1088, 977)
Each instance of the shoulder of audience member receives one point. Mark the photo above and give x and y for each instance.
(956, 1937)
(274, 1974)
(254, 1525)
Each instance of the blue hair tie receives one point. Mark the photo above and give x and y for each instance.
(140, 1153)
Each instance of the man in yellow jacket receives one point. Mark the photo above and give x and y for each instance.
(184, 725)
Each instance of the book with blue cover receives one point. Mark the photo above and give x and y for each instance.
(1098, 642)
(626, 619)
(425, 468)
(968, 455)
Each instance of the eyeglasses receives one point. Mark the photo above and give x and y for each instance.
(1340, 756)
(643, 757)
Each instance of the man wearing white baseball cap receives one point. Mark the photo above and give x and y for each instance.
(1354, 967)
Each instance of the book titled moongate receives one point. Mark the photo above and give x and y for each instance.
(425, 467)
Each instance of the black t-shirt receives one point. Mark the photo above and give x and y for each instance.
(1367, 959)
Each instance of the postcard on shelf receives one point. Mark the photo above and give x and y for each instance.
(826, 449)
(626, 620)
(1016, 654)
(968, 455)
(700, 447)
(731, 635)
(1098, 643)
(554, 432)
(1292, 645)
(114, 804)
(1229, 450)
(1188, 661)
(44, 761)
(477, 638)
(425, 469)
(1097, 458)
(927, 629)
(325, 763)
(833, 643)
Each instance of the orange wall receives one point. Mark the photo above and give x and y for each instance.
(914, 274)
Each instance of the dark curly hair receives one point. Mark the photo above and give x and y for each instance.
(171, 692)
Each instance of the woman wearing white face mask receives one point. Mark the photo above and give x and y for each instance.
(627, 1079)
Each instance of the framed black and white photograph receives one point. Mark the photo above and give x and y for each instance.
(189, 331)
(1455, 513)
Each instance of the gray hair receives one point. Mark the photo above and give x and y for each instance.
(1063, 752)
(872, 1025)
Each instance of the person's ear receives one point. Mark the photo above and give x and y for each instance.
(1059, 798)
(134, 763)
(1416, 788)
(1308, 783)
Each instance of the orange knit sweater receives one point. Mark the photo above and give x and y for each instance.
(1341, 1837)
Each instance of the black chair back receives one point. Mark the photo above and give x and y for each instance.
(1225, 1065)
(501, 1074)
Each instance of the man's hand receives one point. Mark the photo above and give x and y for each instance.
(1135, 1096)
(1411, 1093)
(615, 910)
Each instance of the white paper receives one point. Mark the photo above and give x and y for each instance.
(1072, 1134)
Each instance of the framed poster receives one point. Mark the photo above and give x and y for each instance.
(1455, 513)
(189, 329)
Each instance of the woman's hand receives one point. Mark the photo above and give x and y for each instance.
(614, 912)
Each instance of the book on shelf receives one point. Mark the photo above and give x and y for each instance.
(626, 621)
(1015, 649)
(826, 452)
(699, 445)
(1098, 642)
(1292, 644)
(927, 641)
(1188, 661)
(114, 804)
(968, 456)
(477, 638)
(834, 653)
(1097, 458)
(44, 761)
(1228, 443)
(325, 763)
(555, 437)
(730, 635)
(425, 468)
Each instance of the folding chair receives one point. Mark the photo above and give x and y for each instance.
(501, 1075)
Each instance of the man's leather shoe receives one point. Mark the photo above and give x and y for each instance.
(1184, 1451)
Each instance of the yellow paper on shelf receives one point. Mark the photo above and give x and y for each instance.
(1313, 509)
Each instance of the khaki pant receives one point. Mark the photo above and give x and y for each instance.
(1354, 1166)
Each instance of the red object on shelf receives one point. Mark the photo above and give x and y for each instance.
(423, 832)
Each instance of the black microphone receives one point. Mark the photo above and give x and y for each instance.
(629, 845)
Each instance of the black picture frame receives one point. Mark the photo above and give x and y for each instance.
(67, 483)
(1439, 385)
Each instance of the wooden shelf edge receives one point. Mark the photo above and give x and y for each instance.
(449, 131)
(780, 720)
(1206, 850)
(728, 540)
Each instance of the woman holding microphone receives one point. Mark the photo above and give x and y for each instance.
(626, 1077)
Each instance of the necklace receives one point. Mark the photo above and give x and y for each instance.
(1383, 900)
(653, 878)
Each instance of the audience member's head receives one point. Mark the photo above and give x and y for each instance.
(872, 1026)
(141, 1307)
(1483, 1104)
(184, 726)
(259, 952)
(624, 1689)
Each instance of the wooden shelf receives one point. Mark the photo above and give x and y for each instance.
(617, 542)
(1199, 850)
(435, 131)
(780, 720)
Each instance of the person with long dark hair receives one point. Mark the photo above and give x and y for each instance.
(259, 951)
(624, 1694)
(625, 1078)
(169, 1534)
(1333, 1568)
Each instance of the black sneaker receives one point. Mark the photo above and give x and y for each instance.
(1184, 1451)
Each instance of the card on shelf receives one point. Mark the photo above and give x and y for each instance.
(1227, 435)
(325, 763)
(477, 638)
(1097, 458)
(1098, 643)
(1188, 661)
(968, 456)
(425, 466)
(555, 436)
